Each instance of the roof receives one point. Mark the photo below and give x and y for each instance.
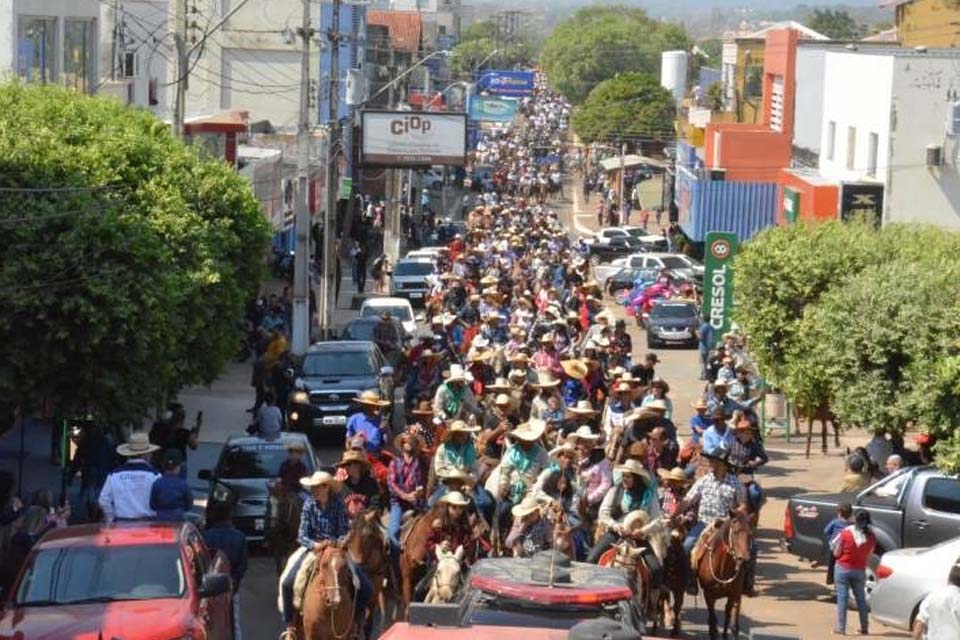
(386, 301)
(888, 35)
(631, 160)
(286, 437)
(890, 4)
(225, 122)
(119, 534)
(512, 577)
(405, 28)
(806, 33)
(340, 345)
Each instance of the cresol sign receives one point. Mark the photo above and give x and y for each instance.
(718, 281)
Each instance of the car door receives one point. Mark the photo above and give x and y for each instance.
(937, 517)
(214, 612)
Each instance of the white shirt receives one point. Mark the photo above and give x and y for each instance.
(940, 613)
(126, 493)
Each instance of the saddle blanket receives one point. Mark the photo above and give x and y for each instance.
(706, 536)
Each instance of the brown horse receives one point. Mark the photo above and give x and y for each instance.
(328, 604)
(822, 413)
(413, 555)
(368, 548)
(720, 570)
(670, 601)
(283, 523)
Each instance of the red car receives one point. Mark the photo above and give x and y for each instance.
(137, 581)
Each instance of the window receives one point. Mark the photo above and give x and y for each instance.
(152, 98)
(753, 81)
(851, 147)
(872, 148)
(78, 54)
(831, 140)
(37, 49)
(942, 494)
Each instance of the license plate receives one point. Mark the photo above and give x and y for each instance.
(258, 524)
(334, 419)
(416, 295)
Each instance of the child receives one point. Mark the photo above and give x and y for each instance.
(170, 496)
(832, 530)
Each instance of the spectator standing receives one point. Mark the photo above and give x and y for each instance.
(359, 255)
(221, 535)
(939, 615)
(126, 492)
(170, 496)
(832, 530)
(852, 549)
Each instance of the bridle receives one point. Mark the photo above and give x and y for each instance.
(737, 560)
(454, 580)
(333, 602)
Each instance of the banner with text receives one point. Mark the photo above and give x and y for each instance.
(413, 138)
(719, 251)
(488, 109)
(507, 83)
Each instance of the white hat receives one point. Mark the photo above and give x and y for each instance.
(455, 497)
(318, 478)
(529, 431)
(636, 468)
(525, 508)
(138, 445)
(583, 432)
(457, 374)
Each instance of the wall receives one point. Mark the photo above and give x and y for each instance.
(10, 9)
(743, 208)
(819, 200)
(808, 99)
(932, 23)
(857, 91)
(922, 87)
(747, 152)
(779, 67)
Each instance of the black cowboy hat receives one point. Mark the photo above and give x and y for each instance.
(719, 454)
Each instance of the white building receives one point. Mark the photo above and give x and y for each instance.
(893, 117)
(52, 41)
(135, 53)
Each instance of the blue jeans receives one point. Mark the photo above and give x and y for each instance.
(692, 534)
(754, 495)
(848, 580)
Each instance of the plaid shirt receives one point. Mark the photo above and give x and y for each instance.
(404, 477)
(532, 538)
(717, 497)
(318, 524)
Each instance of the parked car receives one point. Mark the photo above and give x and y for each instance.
(328, 378)
(905, 577)
(626, 277)
(245, 466)
(923, 509)
(652, 241)
(673, 322)
(149, 581)
(443, 233)
(362, 329)
(400, 309)
(410, 281)
(432, 179)
(604, 236)
(617, 247)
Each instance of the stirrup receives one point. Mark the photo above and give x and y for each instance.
(287, 634)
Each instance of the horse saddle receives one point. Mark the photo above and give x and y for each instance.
(704, 541)
(304, 575)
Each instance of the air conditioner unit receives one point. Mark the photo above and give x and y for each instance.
(934, 155)
(719, 175)
(129, 64)
(953, 119)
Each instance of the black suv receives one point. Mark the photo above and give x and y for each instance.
(329, 377)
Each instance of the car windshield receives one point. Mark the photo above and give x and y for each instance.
(73, 575)
(359, 330)
(413, 268)
(401, 313)
(673, 311)
(260, 460)
(644, 274)
(333, 364)
(674, 262)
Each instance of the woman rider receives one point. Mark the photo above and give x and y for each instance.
(636, 490)
(558, 484)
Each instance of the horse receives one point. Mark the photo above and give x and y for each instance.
(413, 554)
(670, 602)
(720, 571)
(822, 413)
(328, 604)
(446, 576)
(283, 523)
(368, 548)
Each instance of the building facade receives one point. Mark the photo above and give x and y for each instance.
(928, 23)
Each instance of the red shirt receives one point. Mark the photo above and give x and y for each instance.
(849, 555)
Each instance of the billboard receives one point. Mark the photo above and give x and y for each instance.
(490, 109)
(507, 83)
(413, 138)
(862, 200)
(718, 281)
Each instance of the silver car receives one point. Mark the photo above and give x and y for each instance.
(905, 577)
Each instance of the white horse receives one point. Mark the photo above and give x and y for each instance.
(446, 576)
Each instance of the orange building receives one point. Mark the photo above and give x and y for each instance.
(806, 196)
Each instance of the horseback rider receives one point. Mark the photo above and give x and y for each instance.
(635, 490)
(455, 527)
(747, 455)
(453, 398)
(293, 468)
(558, 484)
(323, 521)
(521, 465)
(531, 532)
(595, 471)
(406, 482)
(359, 488)
(369, 422)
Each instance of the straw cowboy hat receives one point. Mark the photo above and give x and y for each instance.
(459, 426)
(583, 433)
(457, 374)
(635, 520)
(352, 456)
(480, 355)
(500, 384)
(623, 387)
(699, 404)
(636, 468)
(488, 280)
(318, 478)
(492, 315)
(529, 431)
(545, 380)
(453, 473)
(720, 383)
(660, 382)
(456, 498)
(423, 408)
(372, 399)
(138, 445)
(576, 369)
(418, 443)
(675, 475)
(525, 508)
(582, 408)
(656, 405)
(567, 447)
(519, 356)
(502, 400)
(603, 315)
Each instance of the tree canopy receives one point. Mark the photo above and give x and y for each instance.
(835, 23)
(478, 44)
(129, 257)
(865, 321)
(599, 42)
(630, 104)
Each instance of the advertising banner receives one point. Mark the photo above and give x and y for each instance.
(489, 109)
(718, 254)
(413, 138)
(862, 200)
(507, 83)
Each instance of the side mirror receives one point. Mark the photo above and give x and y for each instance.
(214, 584)
(205, 474)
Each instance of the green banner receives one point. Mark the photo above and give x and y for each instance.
(718, 281)
(346, 188)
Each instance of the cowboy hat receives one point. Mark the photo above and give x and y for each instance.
(582, 408)
(502, 400)
(406, 435)
(699, 404)
(480, 355)
(547, 338)
(492, 315)
(660, 382)
(459, 426)
(656, 404)
(623, 387)
(566, 447)
(635, 520)
(318, 478)
(453, 473)
(488, 280)
(456, 498)
(529, 431)
(720, 454)
(457, 374)
(719, 382)
(500, 384)
(545, 380)
(636, 468)
(353, 456)
(138, 445)
(603, 315)
(676, 474)
(583, 433)
(423, 408)
(371, 398)
(520, 356)
(525, 508)
(574, 368)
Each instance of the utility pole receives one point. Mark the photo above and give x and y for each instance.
(113, 42)
(301, 265)
(328, 288)
(180, 40)
(623, 173)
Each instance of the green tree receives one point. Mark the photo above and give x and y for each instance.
(472, 55)
(835, 23)
(598, 43)
(127, 265)
(630, 104)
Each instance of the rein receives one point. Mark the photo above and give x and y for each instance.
(333, 610)
(737, 561)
